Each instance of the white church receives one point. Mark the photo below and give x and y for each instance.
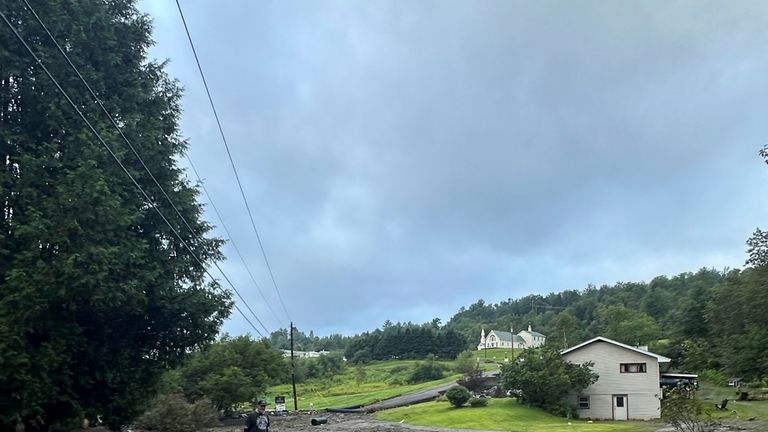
(502, 339)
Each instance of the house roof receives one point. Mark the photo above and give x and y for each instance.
(533, 333)
(506, 336)
(659, 357)
(502, 335)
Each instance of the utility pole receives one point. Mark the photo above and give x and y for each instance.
(293, 373)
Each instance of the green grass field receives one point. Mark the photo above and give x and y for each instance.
(383, 380)
(496, 354)
(711, 394)
(503, 415)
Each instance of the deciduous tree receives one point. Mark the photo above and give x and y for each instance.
(542, 378)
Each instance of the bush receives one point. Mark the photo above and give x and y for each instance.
(428, 371)
(563, 409)
(466, 363)
(478, 402)
(399, 369)
(457, 395)
(172, 413)
(713, 376)
(681, 409)
(362, 356)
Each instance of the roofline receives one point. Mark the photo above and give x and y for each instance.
(659, 357)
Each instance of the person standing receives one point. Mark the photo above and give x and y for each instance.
(258, 421)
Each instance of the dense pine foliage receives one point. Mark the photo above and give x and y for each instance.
(98, 294)
(405, 341)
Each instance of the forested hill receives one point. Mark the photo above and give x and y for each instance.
(635, 312)
(705, 320)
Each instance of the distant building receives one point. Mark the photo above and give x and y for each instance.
(503, 339)
(672, 380)
(304, 354)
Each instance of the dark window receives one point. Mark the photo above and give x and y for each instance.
(583, 402)
(619, 401)
(633, 368)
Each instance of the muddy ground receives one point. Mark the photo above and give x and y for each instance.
(338, 422)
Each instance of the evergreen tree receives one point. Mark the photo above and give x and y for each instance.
(99, 296)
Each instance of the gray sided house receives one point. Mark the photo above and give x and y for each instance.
(628, 387)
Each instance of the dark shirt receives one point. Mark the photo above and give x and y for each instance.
(257, 422)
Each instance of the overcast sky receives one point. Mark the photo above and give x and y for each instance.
(405, 158)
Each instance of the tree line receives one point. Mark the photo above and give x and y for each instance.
(707, 320)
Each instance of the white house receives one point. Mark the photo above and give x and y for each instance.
(502, 339)
(304, 354)
(628, 387)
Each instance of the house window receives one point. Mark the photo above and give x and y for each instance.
(583, 402)
(633, 368)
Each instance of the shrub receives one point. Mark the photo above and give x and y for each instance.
(681, 409)
(399, 369)
(428, 371)
(478, 402)
(713, 376)
(362, 356)
(457, 395)
(563, 409)
(466, 363)
(172, 413)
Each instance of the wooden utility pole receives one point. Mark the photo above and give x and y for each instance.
(293, 373)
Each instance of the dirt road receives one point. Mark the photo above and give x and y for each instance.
(338, 422)
(346, 422)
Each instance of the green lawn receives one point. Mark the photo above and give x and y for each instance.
(496, 354)
(503, 415)
(711, 394)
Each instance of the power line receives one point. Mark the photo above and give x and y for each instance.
(231, 161)
(229, 236)
(127, 141)
(130, 176)
(119, 130)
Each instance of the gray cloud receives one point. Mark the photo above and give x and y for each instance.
(406, 158)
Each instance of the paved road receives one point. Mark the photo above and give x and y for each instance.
(402, 400)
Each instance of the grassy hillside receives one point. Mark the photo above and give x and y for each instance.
(379, 380)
